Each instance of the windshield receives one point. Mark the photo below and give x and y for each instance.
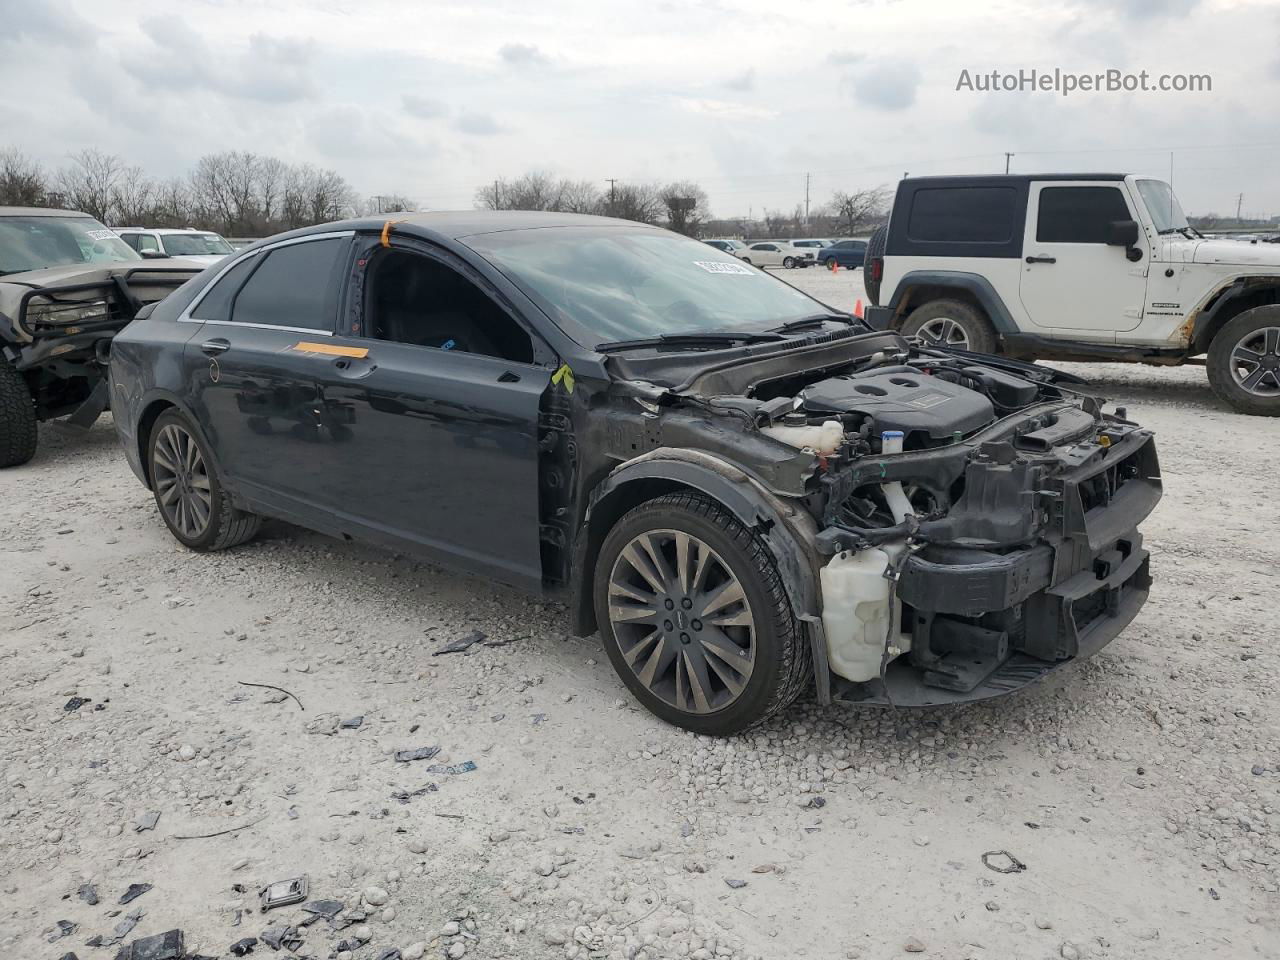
(1166, 212)
(603, 285)
(195, 245)
(34, 243)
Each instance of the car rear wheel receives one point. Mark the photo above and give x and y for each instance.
(1244, 362)
(191, 499)
(18, 434)
(694, 617)
(746, 259)
(951, 323)
(789, 262)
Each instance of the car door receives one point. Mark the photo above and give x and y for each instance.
(432, 397)
(852, 253)
(251, 370)
(1073, 284)
(764, 254)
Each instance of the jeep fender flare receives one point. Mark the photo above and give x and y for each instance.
(973, 283)
(1243, 292)
(787, 529)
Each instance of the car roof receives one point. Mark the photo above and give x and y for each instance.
(164, 231)
(1014, 177)
(454, 225)
(39, 212)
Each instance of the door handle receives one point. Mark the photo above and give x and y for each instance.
(1042, 259)
(215, 346)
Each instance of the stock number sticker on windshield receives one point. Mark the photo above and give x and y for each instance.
(99, 234)
(720, 266)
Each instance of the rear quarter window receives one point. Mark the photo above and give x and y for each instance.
(963, 215)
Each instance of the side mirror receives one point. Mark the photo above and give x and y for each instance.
(1124, 233)
(152, 254)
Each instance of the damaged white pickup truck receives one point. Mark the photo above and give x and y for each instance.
(743, 490)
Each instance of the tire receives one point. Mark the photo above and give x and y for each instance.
(875, 248)
(789, 262)
(190, 498)
(1244, 362)
(746, 260)
(951, 323)
(18, 434)
(720, 553)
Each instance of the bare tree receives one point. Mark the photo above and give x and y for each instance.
(133, 197)
(387, 203)
(173, 206)
(23, 182)
(579, 196)
(635, 201)
(90, 181)
(776, 223)
(859, 209)
(687, 207)
(269, 176)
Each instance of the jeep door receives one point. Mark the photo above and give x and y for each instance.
(431, 395)
(1073, 284)
(251, 370)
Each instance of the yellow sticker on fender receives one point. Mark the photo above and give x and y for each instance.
(564, 377)
(330, 349)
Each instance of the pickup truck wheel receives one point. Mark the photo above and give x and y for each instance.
(951, 323)
(1244, 362)
(18, 433)
(875, 248)
(695, 619)
(192, 502)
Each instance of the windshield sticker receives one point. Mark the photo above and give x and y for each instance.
(721, 266)
(100, 234)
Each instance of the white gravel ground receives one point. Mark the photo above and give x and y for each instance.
(1141, 790)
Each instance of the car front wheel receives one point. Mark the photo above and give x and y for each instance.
(188, 492)
(1244, 362)
(789, 262)
(695, 619)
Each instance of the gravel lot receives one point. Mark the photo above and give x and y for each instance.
(1141, 789)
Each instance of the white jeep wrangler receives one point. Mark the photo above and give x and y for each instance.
(1099, 266)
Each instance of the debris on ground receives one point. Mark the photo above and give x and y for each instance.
(461, 644)
(75, 703)
(328, 909)
(734, 883)
(133, 893)
(64, 928)
(242, 948)
(88, 893)
(1002, 861)
(452, 769)
(163, 946)
(147, 821)
(281, 937)
(271, 686)
(352, 723)
(282, 893)
(404, 796)
(421, 753)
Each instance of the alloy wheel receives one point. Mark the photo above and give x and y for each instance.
(682, 621)
(182, 481)
(1255, 362)
(944, 332)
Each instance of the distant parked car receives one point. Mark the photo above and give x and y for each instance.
(846, 253)
(811, 249)
(773, 253)
(202, 246)
(733, 247)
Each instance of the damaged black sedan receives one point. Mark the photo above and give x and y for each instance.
(743, 490)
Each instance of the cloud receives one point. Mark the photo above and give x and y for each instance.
(424, 108)
(1141, 9)
(725, 108)
(744, 81)
(48, 21)
(477, 124)
(887, 84)
(523, 55)
(845, 58)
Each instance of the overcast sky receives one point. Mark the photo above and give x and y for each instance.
(430, 98)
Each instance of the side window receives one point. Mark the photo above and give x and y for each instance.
(131, 239)
(859, 245)
(1079, 214)
(962, 215)
(419, 301)
(216, 304)
(760, 246)
(296, 286)
(147, 241)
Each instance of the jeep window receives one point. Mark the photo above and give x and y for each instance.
(1166, 212)
(962, 215)
(195, 245)
(34, 243)
(419, 301)
(605, 284)
(1079, 214)
(295, 286)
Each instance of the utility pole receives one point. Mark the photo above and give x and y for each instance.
(612, 192)
(806, 199)
(497, 198)
(1007, 157)
(378, 200)
(1239, 204)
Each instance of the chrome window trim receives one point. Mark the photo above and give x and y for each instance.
(185, 315)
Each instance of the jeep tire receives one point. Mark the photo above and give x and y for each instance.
(951, 323)
(695, 619)
(18, 434)
(1244, 362)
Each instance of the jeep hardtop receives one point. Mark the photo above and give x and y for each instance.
(1087, 266)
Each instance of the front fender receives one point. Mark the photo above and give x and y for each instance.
(787, 529)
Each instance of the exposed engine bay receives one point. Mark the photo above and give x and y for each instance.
(976, 518)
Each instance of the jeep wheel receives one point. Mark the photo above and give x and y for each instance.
(1244, 362)
(951, 323)
(192, 502)
(789, 262)
(694, 617)
(18, 433)
(875, 250)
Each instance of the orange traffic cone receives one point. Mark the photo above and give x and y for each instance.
(835, 267)
(857, 308)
